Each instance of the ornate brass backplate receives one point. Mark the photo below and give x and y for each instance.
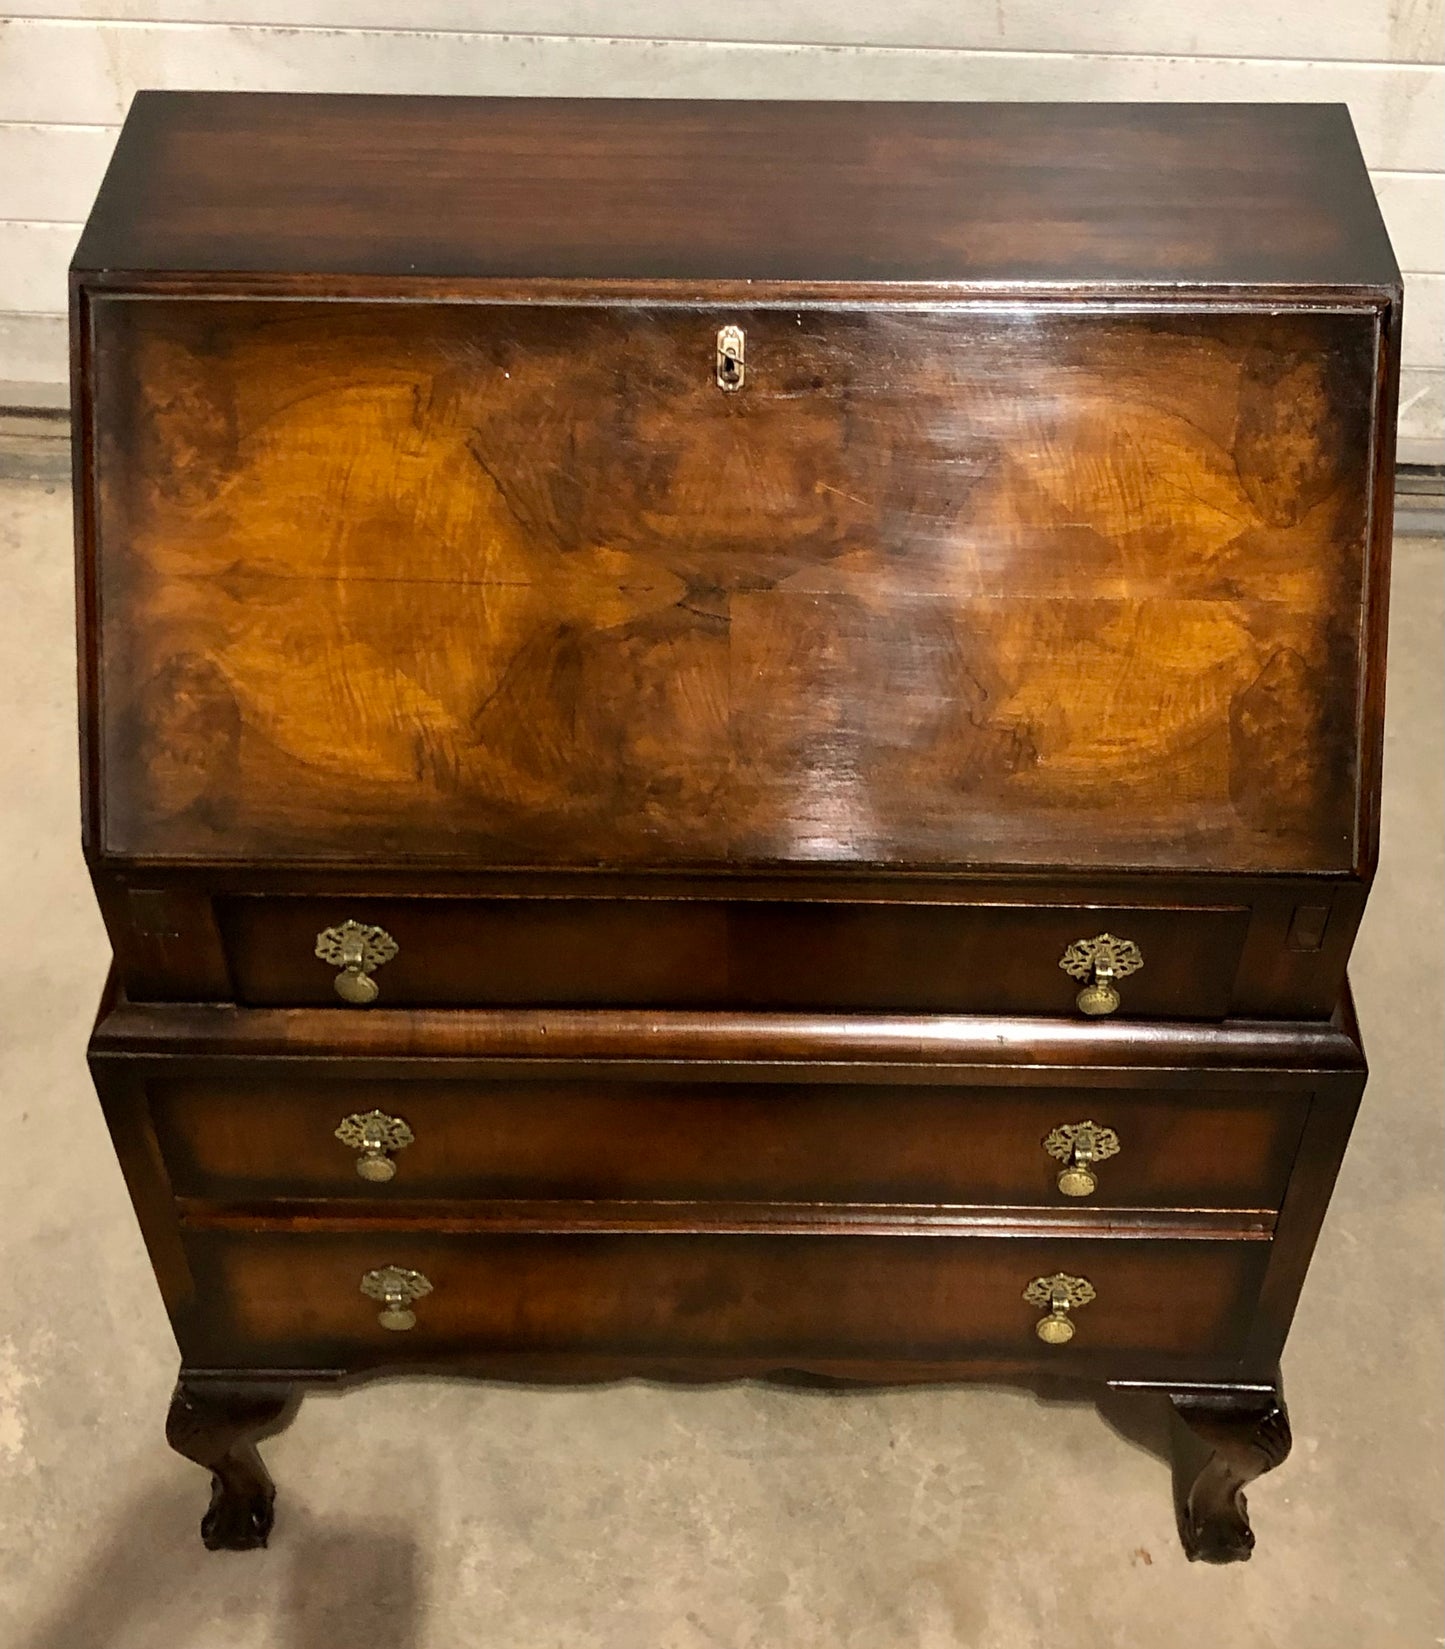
(1100, 961)
(375, 1135)
(358, 950)
(1078, 1145)
(396, 1288)
(1059, 1295)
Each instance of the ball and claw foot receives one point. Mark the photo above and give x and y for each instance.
(237, 1521)
(216, 1424)
(1246, 1434)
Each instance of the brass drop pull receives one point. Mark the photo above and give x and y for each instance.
(375, 1135)
(731, 345)
(1058, 1295)
(1079, 1145)
(358, 950)
(396, 1288)
(1099, 962)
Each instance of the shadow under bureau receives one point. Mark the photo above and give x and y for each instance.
(728, 739)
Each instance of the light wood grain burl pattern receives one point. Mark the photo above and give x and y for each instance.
(520, 585)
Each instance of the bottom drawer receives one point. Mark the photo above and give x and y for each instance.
(296, 1299)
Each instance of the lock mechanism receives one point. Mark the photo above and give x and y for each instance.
(731, 345)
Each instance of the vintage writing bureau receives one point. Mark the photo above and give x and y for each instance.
(732, 738)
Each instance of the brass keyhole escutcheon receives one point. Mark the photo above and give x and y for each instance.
(396, 1289)
(1059, 1295)
(731, 349)
(1079, 1145)
(358, 950)
(1099, 962)
(375, 1135)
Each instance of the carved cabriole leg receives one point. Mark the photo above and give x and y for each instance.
(1247, 1434)
(216, 1424)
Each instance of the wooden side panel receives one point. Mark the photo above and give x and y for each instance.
(510, 586)
(243, 1139)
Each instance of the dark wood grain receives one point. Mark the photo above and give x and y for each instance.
(243, 1139)
(475, 1217)
(802, 1047)
(827, 954)
(605, 189)
(133, 1138)
(216, 1423)
(1334, 1105)
(1245, 1434)
(732, 767)
(520, 585)
(790, 913)
(296, 1299)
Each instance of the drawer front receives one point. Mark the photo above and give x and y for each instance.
(770, 954)
(508, 585)
(252, 1139)
(294, 1300)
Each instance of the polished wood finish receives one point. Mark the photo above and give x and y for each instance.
(217, 1423)
(830, 954)
(294, 1300)
(911, 597)
(238, 1138)
(159, 1066)
(602, 190)
(1245, 1435)
(732, 766)
(793, 1047)
(799, 915)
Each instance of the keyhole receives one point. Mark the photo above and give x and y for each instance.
(730, 357)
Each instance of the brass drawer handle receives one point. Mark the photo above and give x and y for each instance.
(731, 347)
(1079, 1145)
(358, 950)
(1059, 1295)
(396, 1288)
(375, 1135)
(1099, 962)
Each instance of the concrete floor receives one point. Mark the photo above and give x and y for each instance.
(432, 1515)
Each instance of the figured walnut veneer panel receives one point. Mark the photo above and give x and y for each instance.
(521, 585)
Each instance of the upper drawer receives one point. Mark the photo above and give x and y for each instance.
(710, 953)
(503, 585)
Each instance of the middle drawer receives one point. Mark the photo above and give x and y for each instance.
(239, 1139)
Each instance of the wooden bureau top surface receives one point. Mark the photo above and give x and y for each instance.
(610, 190)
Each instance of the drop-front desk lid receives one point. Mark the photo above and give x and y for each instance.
(488, 483)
